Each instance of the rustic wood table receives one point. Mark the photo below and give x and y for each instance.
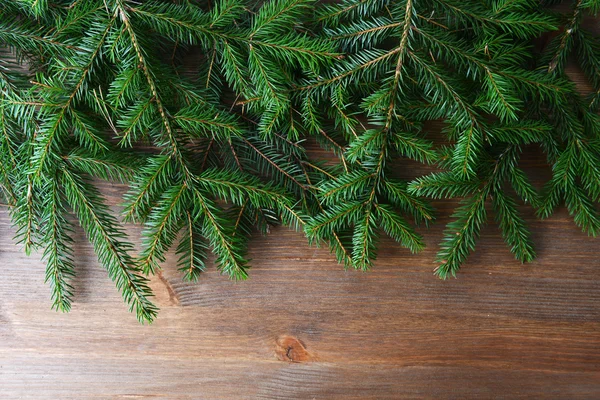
(303, 328)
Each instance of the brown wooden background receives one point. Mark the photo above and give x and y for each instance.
(303, 328)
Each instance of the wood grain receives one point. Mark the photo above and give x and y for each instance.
(304, 328)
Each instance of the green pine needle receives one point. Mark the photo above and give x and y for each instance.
(209, 113)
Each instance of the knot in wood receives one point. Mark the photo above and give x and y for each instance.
(288, 348)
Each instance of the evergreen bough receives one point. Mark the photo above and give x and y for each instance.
(203, 108)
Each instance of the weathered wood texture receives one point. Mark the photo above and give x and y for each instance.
(500, 330)
(303, 328)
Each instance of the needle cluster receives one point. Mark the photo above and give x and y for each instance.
(203, 109)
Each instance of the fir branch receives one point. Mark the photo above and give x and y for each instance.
(513, 227)
(397, 228)
(120, 9)
(192, 251)
(217, 149)
(459, 238)
(109, 244)
(53, 128)
(227, 247)
(58, 252)
(162, 226)
(151, 179)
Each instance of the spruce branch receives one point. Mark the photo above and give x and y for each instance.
(109, 244)
(54, 126)
(209, 113)
(192, 250)
(461, 234)
(58, 253)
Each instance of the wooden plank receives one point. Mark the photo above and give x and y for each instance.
(302, 327)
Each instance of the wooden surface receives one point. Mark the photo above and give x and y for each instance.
(303, 328)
